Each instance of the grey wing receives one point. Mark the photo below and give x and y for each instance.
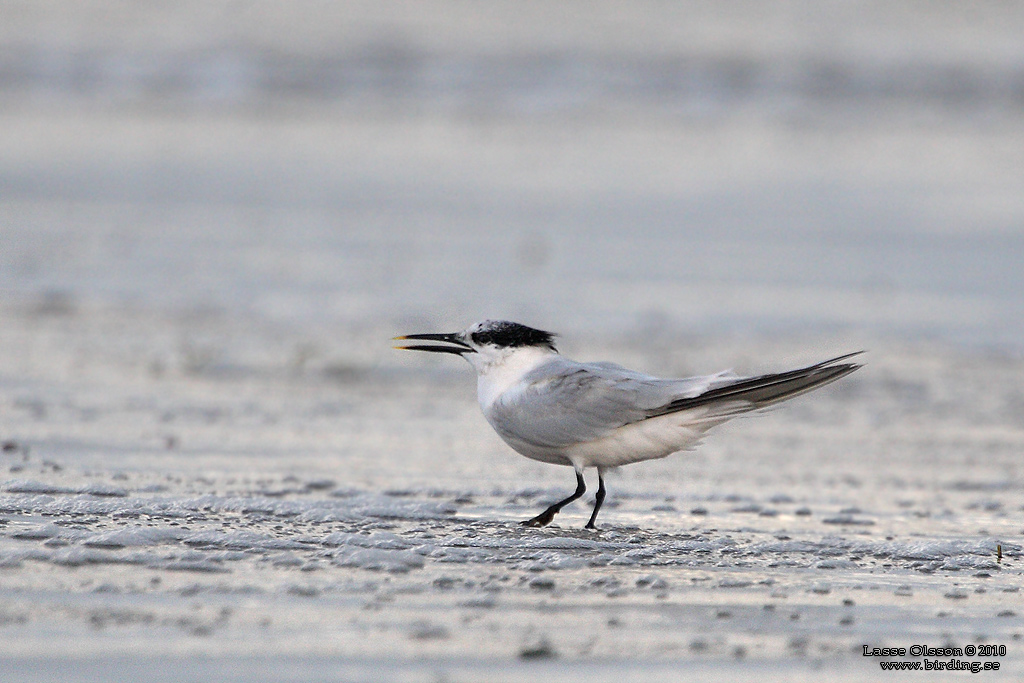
(734, 394)
(564, 402)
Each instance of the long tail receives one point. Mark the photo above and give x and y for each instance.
(759, 392)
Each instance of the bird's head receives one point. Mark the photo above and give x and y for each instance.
(485, 343)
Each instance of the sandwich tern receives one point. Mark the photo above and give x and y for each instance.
(560, 411)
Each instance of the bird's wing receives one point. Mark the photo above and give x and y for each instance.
(741, 394)
(564, 402)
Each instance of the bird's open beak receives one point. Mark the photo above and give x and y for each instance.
(457, 346)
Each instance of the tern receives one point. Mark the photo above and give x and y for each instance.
(602, 415)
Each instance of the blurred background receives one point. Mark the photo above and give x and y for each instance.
(334, 173)
(214, 215)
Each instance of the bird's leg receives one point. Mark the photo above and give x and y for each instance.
(544, 518)
(597, 501)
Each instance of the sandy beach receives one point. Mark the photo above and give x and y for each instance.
(213, 465)
(174, 521)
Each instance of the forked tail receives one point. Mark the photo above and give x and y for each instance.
(752, 393)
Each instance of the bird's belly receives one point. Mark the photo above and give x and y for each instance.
(645, 440)
(550, 455)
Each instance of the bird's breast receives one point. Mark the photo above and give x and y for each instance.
(506, 377)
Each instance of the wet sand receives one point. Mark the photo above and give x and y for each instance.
(235, 518)
(214, 467)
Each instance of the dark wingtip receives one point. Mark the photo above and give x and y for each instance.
(765, 390)
(830, 361)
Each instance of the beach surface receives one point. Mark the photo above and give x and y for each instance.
(213, 465)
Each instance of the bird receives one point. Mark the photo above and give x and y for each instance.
(602, 415)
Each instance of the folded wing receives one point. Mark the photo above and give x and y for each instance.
(564, 402)
(759, 392)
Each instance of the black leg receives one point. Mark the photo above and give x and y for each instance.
(544, 518)
(599, 500)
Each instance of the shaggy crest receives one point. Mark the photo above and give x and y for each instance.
(506, 334)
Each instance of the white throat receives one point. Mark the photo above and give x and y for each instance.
(499, 369)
